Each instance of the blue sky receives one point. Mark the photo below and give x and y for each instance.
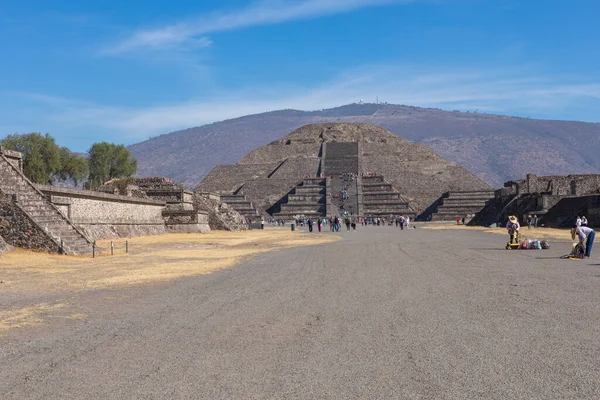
(123, 71)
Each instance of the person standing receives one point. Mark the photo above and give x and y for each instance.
(578, 221)
(402, 222)
(586, 236)
(347, 223)
(407, 222)
(529, 222)
(584, 221)
(262, 223)
(310, 225)
(535, 221)
(513, 226)
(319, 223)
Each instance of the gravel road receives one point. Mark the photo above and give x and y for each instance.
(381, 314)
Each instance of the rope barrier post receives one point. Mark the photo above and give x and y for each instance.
(112, 248)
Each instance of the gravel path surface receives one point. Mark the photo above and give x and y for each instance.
(382, 314)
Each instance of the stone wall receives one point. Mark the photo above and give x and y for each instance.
(103, 216)
(18, 229)
(220, 215)
(570, 185)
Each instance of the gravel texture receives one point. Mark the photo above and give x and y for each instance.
(382, 314)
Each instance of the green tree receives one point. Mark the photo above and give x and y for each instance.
(108, 161)
(44, 162)
(41, 155)
(73, 166)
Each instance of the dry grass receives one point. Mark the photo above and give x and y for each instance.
(150, 259)
(537, 233)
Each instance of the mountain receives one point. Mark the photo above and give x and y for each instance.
(495, 148)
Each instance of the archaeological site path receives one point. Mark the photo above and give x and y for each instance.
(379, 314)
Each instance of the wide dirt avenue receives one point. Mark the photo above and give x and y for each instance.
(380, 314)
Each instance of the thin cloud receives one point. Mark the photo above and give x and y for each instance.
(493, 91)
(266, 12)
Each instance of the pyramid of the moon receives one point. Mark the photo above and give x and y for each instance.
(329, 169)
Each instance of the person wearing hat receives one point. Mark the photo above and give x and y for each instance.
(586, 235)
(513, 227)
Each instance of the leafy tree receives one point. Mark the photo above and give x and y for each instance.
(41, 155)
(73, 167)
(108, 161)
(44, 162)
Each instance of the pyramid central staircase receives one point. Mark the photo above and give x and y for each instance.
(39, 209)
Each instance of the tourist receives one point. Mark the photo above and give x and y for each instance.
(463, 220)
(347, 222)
(512, 226)
(586, 236)
(535, 221)
(310, 225)
(262, 223)
(457, 220)
(578, 221)
(402, 222)
(319, 223)
(529, 222)
(407, 220)
(584, 220)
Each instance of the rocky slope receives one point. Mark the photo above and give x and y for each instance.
(495, 148)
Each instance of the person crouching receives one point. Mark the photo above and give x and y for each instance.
(586, 237)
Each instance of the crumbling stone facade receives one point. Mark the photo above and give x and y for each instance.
(19, 230)
(416, 174)
(556, 200)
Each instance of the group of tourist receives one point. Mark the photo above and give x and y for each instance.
(580, 230)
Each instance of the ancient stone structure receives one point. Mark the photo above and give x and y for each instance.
(328, 169)
(220, 215)
(556, 200)
(106, 216)
(5, 247)
(453, 205)
(29, 202)
(18, 229)
(67, 220)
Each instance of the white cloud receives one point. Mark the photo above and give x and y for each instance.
(491, 91)
(266, 12)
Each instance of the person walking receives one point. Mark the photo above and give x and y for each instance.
(347, 223)
(535, 221)
(319, 223)
(262, 223)
(310, 225)
(586, 237)
(529, 221)
(402, 222)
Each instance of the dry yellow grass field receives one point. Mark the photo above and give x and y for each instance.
(150, 259)
(537, 233)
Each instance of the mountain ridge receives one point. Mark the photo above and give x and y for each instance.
(494, 147)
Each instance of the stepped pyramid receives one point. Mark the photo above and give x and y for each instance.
(327, 169)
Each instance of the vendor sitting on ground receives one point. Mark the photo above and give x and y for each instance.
(513, 228)
(586, 237)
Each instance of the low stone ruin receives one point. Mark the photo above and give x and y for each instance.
(220, 215)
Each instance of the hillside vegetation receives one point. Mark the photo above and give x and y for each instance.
(496, 148)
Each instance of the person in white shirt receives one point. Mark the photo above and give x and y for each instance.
(513, 226)
(578, 221)
(584, 221)
(586, 236)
